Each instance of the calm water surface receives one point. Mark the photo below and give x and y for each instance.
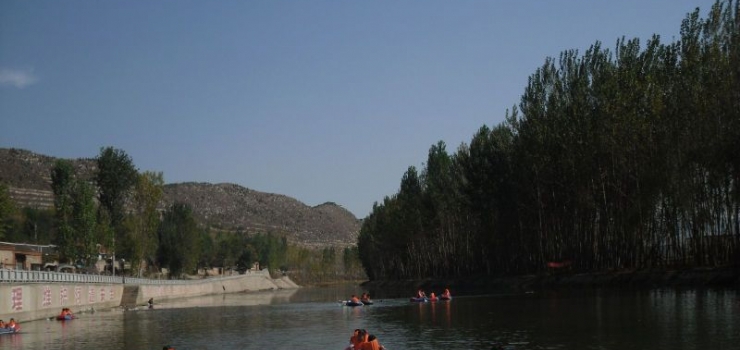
(311, 318)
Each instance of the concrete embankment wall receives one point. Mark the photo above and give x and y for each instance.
(254, 281)
(34, 301)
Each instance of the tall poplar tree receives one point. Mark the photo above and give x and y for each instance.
(62, 184)
(614, 159)
(178, 240)
(83, 222)
(115, 177)
(7, 209)
(141, 239)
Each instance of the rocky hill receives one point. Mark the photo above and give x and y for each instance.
(225, 206)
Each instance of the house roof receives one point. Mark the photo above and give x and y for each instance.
(28, 248)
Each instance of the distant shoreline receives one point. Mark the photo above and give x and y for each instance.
(719, 277)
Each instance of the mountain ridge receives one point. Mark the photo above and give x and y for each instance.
(225, 206)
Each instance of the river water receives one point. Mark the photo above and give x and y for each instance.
(311, 318)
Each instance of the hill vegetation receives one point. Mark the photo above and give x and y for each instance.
(91, 205)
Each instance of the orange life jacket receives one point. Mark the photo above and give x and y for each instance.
(370, 345)
(356, 340)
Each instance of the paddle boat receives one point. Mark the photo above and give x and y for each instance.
(13, 330)
(420, 297)
(9, 328)
(66, 315)
(445, 297)
(351, 303)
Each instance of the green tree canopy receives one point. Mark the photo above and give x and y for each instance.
(141, 241)
(178, 240)
(115, 177)
(62, 184)
(7, 210)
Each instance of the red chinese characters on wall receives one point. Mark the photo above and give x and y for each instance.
(46, 296)
(78, 295)
(17, 298)
(63, 296)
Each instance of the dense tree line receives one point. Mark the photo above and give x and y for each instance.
(118, 211)
(614, 159)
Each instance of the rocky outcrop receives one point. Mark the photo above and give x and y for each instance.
(233, 207)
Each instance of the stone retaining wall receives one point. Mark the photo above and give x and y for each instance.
(34, 301)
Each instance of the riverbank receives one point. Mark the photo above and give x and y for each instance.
(720, 277)
(44, 299)
(134, 295)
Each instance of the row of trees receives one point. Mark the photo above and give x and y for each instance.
(623, 159)
(119, 210)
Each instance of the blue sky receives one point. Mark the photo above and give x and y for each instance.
(317, 100)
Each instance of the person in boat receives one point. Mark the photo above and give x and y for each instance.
(371, 343)
(353, 340)
(2, 324)
(421, 294)
(151, 303)
(362, 339)
(11, 324)
(354, 299)
(365, 297)
(66, 312)
(358, 338)
(432, 296)
(446, 293)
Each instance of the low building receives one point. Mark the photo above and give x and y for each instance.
(23, 256)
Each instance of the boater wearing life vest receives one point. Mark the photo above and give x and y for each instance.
(365, 298)
(11, 324)
(371, 343)
(354, 340)
(359, 339)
